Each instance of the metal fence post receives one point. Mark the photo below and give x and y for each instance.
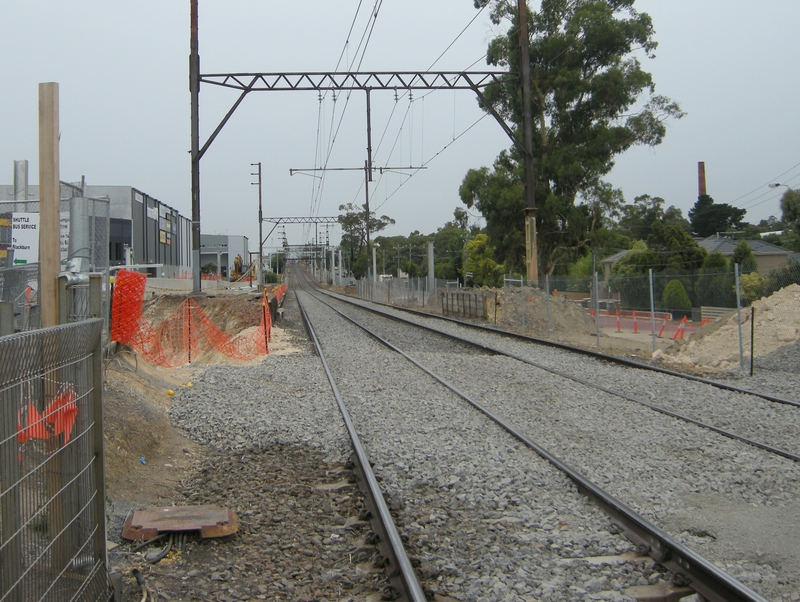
(597, 308)
(752, 336)
(11, 506)
(64, 298)
(739, 316)
(652, 311)
(506, 295)
(97, 443)
(96, 296)
(547, 301)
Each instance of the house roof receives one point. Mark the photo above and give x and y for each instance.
(726, 246)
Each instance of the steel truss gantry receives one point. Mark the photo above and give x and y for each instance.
(319, 81)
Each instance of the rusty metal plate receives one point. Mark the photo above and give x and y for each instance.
(210, 521)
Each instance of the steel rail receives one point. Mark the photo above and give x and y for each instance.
(401, 573)
(596, 354)
(688, 568)
(730, 434)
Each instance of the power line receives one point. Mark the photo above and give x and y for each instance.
(775, 179)
(332, 140)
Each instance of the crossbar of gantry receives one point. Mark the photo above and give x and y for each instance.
(297, 220)
(374, 80)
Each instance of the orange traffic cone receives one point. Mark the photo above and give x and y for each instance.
(679, 332)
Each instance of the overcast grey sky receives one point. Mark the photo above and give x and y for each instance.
(122, 68)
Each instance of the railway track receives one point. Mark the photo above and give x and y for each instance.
(757, 419)
(421, 436)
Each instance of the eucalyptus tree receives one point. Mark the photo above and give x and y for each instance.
(591, 101)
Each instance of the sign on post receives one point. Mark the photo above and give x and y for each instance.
(25, 237)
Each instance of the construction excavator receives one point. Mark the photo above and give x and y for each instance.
(237, 268)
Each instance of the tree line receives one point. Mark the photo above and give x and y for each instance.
(591, 101)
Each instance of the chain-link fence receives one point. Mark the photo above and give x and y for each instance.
(406, 292)
(52, 496)
(661, 306)
(84, 233)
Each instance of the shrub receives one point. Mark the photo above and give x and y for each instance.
(752, 286)
(675, 298)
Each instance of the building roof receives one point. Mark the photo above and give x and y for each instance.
(727, 246)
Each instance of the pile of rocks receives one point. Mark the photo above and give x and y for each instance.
(776, 324)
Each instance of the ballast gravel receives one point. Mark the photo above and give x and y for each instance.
(485, 519)
(733, 503)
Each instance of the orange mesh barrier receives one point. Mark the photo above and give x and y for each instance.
(185, 334)
(127, 305)
(58, 418)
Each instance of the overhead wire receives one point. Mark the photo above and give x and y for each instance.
(455, 137)
(364, 41)
(333, 133)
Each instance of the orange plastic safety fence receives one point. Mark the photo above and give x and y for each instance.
(127, 304)
(185, 334)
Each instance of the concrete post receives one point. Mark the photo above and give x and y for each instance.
(431, 275)
(21, 180)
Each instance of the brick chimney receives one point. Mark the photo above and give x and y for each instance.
(701, 178)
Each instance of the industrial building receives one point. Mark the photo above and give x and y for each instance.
(142, 229)
(221, 251)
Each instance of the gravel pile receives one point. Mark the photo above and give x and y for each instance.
(731, 502)
(777, 324)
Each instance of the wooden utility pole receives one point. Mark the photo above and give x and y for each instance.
(531, 255)
(49, 203)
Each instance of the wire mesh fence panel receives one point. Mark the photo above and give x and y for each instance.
(96, 250)
(19, 286)
(52, 506)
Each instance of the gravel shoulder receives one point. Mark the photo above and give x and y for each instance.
(245, 437)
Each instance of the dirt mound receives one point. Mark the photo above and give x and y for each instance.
(144, 454)
(568, 320)
(777, 323)
(238, 314)
(232, 313)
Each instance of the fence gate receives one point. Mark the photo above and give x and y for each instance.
(52, 512)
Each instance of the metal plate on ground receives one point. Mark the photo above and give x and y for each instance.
(210, 521)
